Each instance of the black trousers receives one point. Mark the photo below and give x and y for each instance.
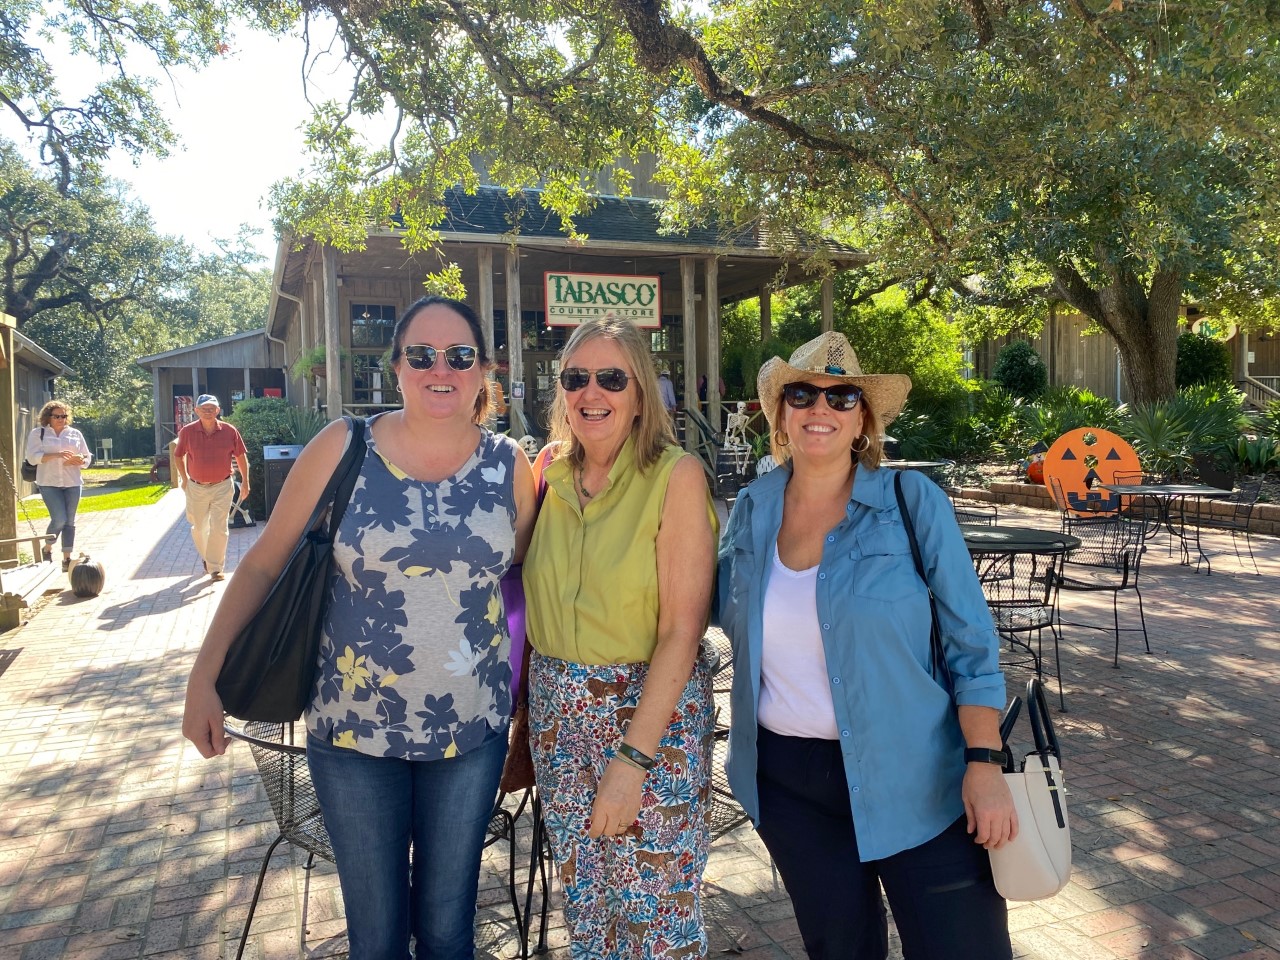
(943, 899)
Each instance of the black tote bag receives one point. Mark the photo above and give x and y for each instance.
(271, 665)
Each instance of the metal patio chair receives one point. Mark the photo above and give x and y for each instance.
(726, 813)
(1022, 595)
(1242, 501)
(1108, 560)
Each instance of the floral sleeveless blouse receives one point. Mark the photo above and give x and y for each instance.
(414, 653)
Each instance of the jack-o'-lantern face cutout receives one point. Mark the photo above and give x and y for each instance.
(1080, 460)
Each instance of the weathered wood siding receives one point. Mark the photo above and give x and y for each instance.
(1074, 355)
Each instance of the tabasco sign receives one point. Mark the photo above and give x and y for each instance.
(573, 298)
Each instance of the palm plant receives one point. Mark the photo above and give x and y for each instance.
(304, 424)
(1168, 435)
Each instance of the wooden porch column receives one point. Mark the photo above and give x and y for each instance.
(12, 447)
(828, 304)
(332, 336)
(310, 297)
(484, 293)
(155, 406)
(766, 313)
(1242, 355)
(248, 381)
(195, 385)
(711, 301)
(689, 322)
(515, 343)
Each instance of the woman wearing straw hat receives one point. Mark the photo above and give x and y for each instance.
(857, 766)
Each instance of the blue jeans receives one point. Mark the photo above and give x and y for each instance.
(375, 809)
(62, 503)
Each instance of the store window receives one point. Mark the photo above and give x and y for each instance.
(372, 325)
(369, 383)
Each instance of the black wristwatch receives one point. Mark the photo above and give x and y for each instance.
(986, 755)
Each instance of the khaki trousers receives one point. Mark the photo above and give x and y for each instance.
(208, 509)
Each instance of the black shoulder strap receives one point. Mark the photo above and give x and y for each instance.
(941, 671)
(343, 483)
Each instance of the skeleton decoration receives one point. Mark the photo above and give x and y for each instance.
(735, 438)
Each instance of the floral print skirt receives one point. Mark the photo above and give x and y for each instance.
(639, 895)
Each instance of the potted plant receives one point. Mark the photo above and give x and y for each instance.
(310, 364)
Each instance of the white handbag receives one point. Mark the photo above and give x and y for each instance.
(1037, 864)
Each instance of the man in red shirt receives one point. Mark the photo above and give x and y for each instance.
(203, 458)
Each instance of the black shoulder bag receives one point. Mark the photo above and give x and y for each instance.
(940, 670)
(270, 666)
(28, 468)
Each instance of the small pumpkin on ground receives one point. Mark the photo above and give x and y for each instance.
(87, 577)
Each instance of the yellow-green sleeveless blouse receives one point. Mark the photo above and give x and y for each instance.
(591, 574)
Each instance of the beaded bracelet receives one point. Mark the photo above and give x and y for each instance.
(628, 752)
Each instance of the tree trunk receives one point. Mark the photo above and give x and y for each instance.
(1143, 323)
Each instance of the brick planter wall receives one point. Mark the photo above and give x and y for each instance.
(1265, 518)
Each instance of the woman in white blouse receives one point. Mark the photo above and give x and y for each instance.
(59, 453)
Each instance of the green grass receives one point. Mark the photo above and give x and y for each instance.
(121, 473)
(135, 496)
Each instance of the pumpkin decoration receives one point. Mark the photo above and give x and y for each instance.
(87, 577)
(1033, 465)
(1080, 460)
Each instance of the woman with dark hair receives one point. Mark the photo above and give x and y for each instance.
(617, 588)
(860, 767)
(59, 453)
(407, 729)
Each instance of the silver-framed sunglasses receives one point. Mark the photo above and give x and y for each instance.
(420, 356)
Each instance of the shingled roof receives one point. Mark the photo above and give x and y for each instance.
(626, 220)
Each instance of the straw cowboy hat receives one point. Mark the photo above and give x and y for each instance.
(830, 355)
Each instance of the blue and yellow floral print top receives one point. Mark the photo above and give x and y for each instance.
(414, 657)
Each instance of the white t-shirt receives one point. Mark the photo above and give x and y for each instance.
(795, 699)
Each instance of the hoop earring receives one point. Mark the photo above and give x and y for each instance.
(866, 443)
(782, 438)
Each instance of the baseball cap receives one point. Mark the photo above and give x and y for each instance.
(207, 398)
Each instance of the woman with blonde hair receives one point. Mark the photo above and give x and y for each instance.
(59, 452)
(618, 586)
(861, 765)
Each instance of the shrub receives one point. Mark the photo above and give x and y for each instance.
(261, 421)
(1020, 370)
(1202, 360)
(969, 423)
(1259, 455)
(1269, 420)
(1167, 434)
(1060, 410)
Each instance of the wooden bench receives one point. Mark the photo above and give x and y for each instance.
(19, 584)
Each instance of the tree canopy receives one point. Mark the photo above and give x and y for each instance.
(82, 267)
(1118, 157)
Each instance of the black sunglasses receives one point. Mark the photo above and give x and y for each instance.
(57, 416)
(612, 379)
(841, 397)
(460, 356)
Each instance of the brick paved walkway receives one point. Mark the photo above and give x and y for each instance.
(117, 841)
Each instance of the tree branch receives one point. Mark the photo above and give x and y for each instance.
(1068, 285)
(1096, 28)
(981, 21)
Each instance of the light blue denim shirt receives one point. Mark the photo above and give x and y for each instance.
(903, 751)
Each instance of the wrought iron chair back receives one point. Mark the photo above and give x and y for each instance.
(1242, 501)
(1022, 594)
(725, 812)
(1109, 559)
